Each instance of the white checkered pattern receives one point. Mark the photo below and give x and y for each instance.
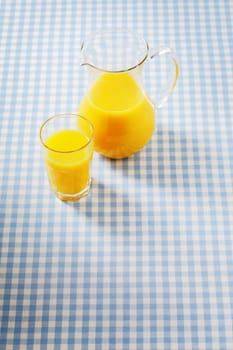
(145, 261)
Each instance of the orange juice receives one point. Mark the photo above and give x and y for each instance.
(122, 115)
(68, 162)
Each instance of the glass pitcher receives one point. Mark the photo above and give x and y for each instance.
(123, 115)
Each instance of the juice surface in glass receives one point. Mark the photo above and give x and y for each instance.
(68, 162)
(122, 115)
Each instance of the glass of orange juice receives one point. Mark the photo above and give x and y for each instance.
(67, 141)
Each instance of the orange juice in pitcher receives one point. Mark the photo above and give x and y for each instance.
(122, 114)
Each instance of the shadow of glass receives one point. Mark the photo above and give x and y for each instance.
(111, 210)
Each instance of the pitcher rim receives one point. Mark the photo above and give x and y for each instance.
(119, 29)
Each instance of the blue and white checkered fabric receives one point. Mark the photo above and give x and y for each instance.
(145, 261)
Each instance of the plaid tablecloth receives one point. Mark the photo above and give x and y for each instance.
(146, 260)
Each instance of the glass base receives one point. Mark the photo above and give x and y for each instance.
(73, 197)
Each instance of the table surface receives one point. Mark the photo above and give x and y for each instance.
(145, 261)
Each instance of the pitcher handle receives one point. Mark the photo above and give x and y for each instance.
(164, 50)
